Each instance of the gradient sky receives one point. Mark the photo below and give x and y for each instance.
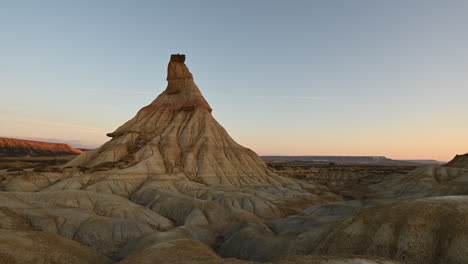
(283, 77)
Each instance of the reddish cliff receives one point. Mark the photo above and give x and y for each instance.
(11, 147)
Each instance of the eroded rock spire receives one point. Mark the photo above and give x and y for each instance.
(177, 70)
(176, 133)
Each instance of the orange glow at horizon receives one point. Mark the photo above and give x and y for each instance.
(401, 144)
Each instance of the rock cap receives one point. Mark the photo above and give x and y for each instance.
(178, 57)
(177, 70)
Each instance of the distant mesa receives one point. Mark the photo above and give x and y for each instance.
(376, 160)
(11, 147)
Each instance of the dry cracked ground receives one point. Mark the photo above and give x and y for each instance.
(171, 186)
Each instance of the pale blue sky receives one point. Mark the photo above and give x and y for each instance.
(283, 77)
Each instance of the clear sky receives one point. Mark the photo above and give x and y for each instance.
(283, 77)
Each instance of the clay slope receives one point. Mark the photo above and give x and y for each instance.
(422, 231)
(103, 222)
(425, 181)
(10, 147)
(43, 247)
(428, 230)
(185, 251)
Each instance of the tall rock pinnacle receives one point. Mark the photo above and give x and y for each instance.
(176, 133)
(180, 83)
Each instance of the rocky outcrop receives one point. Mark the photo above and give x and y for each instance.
(11, 147)
(460, 161)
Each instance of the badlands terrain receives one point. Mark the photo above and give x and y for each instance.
(171, 186)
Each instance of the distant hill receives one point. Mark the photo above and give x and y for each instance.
(349, 160)
(426, 162)
(11, 147)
